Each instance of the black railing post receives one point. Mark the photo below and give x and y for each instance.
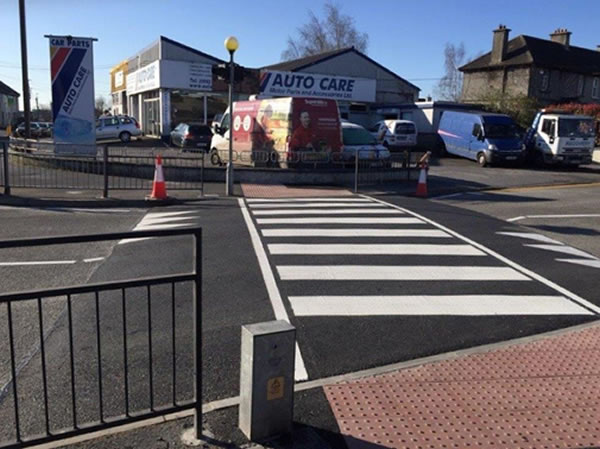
(105, 171)
(5, 158)
(202, 174)
(356, 171)
(197, 298)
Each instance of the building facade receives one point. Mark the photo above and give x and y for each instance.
(373, 83)
(551, 71)
(9, 105)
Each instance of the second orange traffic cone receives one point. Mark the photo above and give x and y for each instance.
(422, 185)
(159, 189)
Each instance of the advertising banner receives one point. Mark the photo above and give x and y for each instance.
(72, 76)
(169, 74)
(298, 84)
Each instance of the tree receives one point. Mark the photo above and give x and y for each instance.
(449, 87)
(519, 106)
(100, 105)
(334, 31)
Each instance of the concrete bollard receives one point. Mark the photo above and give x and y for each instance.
(267, 379)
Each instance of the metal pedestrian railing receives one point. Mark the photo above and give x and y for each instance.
(102, 363)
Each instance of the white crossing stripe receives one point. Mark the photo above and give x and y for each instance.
(531, 236)
(292, 200)
(299, 205)
(340, 220)
(169, 214)
(38, 262)
(152, 220)
(358, 232)
(146, 226)
(328, 212)
(397, 273)
(472, 305)
(378, 249)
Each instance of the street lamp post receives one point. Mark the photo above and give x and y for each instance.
(231, 44)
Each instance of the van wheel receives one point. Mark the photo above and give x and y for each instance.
(125, 137)
(214, 157)
(481, 160)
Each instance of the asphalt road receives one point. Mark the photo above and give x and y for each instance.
(366, 281)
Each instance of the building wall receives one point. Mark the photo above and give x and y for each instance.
(176, 53)
(511, 80)
(389, 89)
(8, 109)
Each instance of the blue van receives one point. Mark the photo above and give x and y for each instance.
(484, 137)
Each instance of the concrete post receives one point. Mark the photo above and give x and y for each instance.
(267, 379)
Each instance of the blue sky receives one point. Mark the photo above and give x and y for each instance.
(407, 36)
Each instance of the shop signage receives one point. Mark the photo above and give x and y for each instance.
(167, 74)
(119, 79)
(298, 84)
(146, 78)
(72, 76)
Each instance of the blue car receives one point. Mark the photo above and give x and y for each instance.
(484, 137)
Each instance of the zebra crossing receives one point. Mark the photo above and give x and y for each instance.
(358, 256)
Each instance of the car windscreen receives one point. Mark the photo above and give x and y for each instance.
(199, 130)
(358, 136)
(500, 130)
(405, 128)
(572, 127)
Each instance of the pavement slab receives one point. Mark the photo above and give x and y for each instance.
(539, 394)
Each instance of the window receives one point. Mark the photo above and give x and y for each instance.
(580, 85)
(198, 130)
(572, 127)
(357, 136)
(476, 129)
(548, 127)
(125, 120)
(596, 88)
(375, 128)
(225, 123)
(545, 81)
(405, 128)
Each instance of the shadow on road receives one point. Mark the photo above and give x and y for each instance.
(571, 230)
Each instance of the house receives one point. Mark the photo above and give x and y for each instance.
(551, 71)
(9, 105)
(374, 83)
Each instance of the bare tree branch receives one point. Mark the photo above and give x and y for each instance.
(450, 85)
(334, 31)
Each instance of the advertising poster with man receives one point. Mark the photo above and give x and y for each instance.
(72, 77)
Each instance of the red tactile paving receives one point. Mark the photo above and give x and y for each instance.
(282, 191)
(543, 394)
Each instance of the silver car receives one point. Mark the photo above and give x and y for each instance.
(119, 127)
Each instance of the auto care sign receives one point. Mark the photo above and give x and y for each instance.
(299, 84)
(72, 76)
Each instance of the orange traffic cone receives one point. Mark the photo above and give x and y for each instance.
(159, 189)
(422, 185)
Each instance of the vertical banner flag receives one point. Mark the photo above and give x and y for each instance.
(72, 76)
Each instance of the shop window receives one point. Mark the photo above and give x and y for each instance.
(596, 88)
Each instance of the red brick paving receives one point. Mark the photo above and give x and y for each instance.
(543, 394)
(282, 191)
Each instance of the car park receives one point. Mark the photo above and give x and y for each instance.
(120, 127)
(356, 139)
(45, 129)
(35, 130)
(395, 133)
(191, 136)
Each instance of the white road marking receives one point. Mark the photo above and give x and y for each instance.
(292, 200)
(148, 219)
(563, 249)
(93, 259)
(397, 273)
(38, 262)
(162, 220)
(124, 241)
(300, 205)
(88, 211)
(524, 217)
(327, 212)
(570, 295)
(358, 232)
(531, 236)
(459, 305)
(170, 214)
(340, 220)
(594, 263)
(378, 249)
(161, 225)
(451, 195)
(271, 285)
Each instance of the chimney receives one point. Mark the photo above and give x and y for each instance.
(561, 36)
(500, 44)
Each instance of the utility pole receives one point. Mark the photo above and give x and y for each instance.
(26, 105)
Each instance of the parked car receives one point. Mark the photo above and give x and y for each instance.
(35, 130)
(395, 133)
(120, 127)
(485, 137)
(356, 138)
(45, 129)
(192, 136)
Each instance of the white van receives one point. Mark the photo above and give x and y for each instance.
(395, 133)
